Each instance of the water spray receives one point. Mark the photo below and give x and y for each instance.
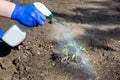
(72, 51)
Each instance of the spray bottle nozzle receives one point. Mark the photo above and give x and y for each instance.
(51, 16)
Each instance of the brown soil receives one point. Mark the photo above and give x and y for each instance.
(95, 23)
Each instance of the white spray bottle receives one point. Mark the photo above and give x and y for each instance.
(17, 33)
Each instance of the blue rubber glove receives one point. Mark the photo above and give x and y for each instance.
(1, 33)
(28, 15)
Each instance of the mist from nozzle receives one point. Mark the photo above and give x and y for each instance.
(63, 37)
(53, 20)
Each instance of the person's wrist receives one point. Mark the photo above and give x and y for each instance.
(15, 11)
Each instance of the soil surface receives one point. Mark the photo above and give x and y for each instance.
(94, 23)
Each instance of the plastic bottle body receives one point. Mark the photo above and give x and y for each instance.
(15, 35)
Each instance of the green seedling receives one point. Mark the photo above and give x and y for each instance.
(73, 57)
(73, 48)
(65, 51)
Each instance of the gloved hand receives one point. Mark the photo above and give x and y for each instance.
(1, 33)
(28, 15)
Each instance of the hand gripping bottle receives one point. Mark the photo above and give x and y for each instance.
(17, 33)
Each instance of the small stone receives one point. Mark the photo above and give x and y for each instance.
(15, 61)
(6, 64)
(20, 47)
(1, 66)
(27, 47)
(53, 64)
(24, 57)
(38, 52)
(42, 74)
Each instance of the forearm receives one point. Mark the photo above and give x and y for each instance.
(6, 8)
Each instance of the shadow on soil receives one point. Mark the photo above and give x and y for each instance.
(102, 16)
(97, 38)
(76, 72)
(4, 49)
